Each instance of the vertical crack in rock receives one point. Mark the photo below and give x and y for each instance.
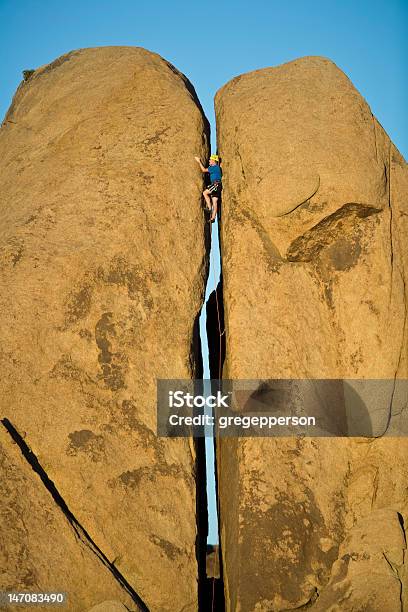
(216, 350)
(242, 165)
(201, 478)
(210, 593)
(395, 572)
(215, 323)
(388, 179)
(79, 530)
(388, 173)
(400, 571)
(375, 138)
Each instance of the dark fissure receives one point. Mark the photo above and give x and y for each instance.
(216, 354)
(210, 361)
(80, 531)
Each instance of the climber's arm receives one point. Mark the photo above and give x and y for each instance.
(198, 160)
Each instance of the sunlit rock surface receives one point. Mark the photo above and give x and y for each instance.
(314, 254)
(103, 263)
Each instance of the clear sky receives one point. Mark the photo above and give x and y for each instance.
(211, 42)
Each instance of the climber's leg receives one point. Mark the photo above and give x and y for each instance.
(206, 195)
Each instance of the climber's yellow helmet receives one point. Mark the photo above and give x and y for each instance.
(214, 157)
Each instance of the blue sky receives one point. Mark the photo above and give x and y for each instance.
(211, 42)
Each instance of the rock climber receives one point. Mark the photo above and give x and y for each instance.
(215, 187)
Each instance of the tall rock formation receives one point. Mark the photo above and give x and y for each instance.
(103, 263)
(314, 252)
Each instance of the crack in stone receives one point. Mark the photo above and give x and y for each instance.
(242, 165)
(375, 137)
(296, 206)
(79, 530)
(397, 576)
(388, 179)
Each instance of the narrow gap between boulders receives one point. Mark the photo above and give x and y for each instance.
(212, 354)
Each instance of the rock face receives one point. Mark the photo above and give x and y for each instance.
(103, 262)
(39, 538)
(370, 568)
(315, 212)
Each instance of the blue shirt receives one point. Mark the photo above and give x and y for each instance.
(215, 173)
